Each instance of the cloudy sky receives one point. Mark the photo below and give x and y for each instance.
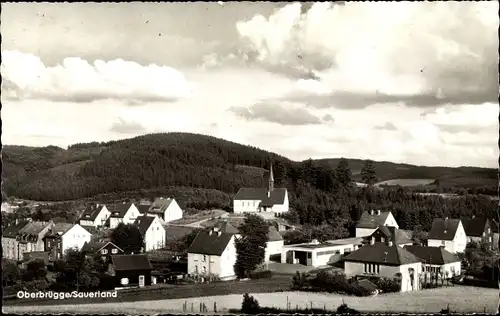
(404, 82)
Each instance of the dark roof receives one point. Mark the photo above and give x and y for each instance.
(393, 234)
(443, 229)
(93, 246)
(160, 204)
(143, 208)
(226, 227)
(34, 228)
(143, 222)
(494, 226)
(12, 230)
(120, 209)
(208, 242)
(90, 213)
(382, 253)
(367, 285)
(131, 262)
(372, 221)
(43, 255)
(277, 196)
(433, 255)
(474, 227)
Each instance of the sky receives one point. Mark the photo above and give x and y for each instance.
(411, 82)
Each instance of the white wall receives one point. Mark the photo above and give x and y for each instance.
(75, 238)
(102, 217)
(227, 260)
(244, 206)
(356, 268)
(131, 215)
(282, 208)
(155, 235)
(173, 212)
(363, 232)
(391, 221)
(222, 266)
(273, 248)
(114, 221)
(9, 248)
(460, 240)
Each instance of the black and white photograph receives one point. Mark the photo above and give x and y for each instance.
(250, 157)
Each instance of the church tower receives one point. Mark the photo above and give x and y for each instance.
(271, 179)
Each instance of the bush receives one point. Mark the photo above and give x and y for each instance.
(261, 274)
(36, 285)
(344, 309)
(299, 281)
(387, 285)
(249, 305)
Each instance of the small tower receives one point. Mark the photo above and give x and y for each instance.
(271, 179)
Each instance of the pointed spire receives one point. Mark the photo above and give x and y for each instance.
(271, 179)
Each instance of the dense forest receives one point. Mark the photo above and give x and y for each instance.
(320, 191)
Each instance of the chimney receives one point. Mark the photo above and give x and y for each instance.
(473, 216)
(389, 243)
(446, 218)
(210, 232)
(372, 212)
(219, 233)
(315, 242)
(372, 241)
(378, 212)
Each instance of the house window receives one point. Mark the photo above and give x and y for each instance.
(366, 268)
(489, 239)
(378, 268)
(114, 250)
(489, 230)
(196, 269)
(48, 244)
(104, 251)
(442, 242)
(204, 258)
(484, 234)
(204, 269)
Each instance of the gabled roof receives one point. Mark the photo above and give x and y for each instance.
(226, 227)
(433, 255)
(97, 246)
(494, 226)
(12, 230)
(277, 196)
(120, 209)
(131, 262)
(34, 228)
(143, 208)
(443, 229)
(382, 253)
(160, 204)
(143, 222)
(393, 234)
(177, 232)
(368, 220)
(208, 242)
(90, 213)
(61, 228)
(474, 227)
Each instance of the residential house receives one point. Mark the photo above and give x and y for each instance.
(447, 233)
(437, 260)
(131, 270)
(212, 253)
(30, 237)
(478, 229)
(167, 209)
(152, 230)
(369, 222)
(95, 215)
(385, 260)
(495, 230)
(105, 249)
(316, 254)
(283, 225)
(176, 234)
(10, 245)
(386, 233)
(262, 201)
(122, 213)
(64, 236)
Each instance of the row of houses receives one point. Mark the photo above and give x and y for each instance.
(27, 237)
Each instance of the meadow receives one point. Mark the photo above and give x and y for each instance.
(461, 299)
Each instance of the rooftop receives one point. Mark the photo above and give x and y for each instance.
(373, 219)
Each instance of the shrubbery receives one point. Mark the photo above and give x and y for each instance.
(266, 274)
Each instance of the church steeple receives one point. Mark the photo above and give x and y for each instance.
(271, 179)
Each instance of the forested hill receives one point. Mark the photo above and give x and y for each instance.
(188, 160)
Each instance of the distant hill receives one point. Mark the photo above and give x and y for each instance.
(182, 160)
(484, 180)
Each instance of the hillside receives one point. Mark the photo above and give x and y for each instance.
(189, 160)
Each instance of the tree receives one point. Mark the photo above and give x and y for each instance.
(368, 172)
(342, 173)
(76, 271)
(251, 245)
(183, 243)
(10, 274)
(35, 270)
(128, 237)
(249, 305)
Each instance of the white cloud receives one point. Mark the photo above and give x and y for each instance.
(444, 50)
(77, 80)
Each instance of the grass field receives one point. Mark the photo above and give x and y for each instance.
(460, 300)
(406, 182)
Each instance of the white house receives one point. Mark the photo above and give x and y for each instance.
(152, 230)
(316, 254)
(212, 253)
(447, 233)
(95, 215)
(168, 209)
(262, 201)
(122, 213)
(390, 233)
(11, 246)
(437, 259)
(66, 236)
(369, 222)
(385, 260)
